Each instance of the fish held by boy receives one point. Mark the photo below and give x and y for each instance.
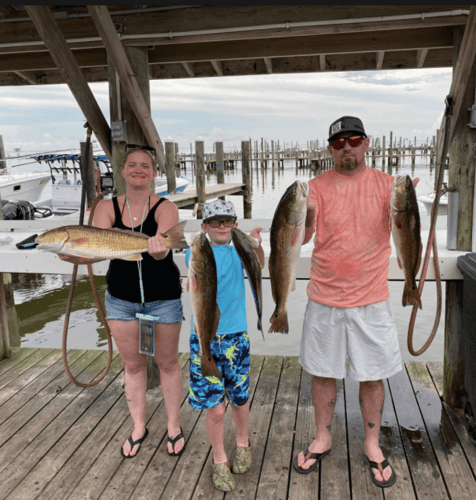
(405, 218)
(93, 242)
(287, 233)
(202, 282)
(244, 245)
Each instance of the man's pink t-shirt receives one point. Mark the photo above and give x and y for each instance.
(349, 265)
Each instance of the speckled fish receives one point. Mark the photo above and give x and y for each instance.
(202, 282)
(287, 233)
(405, 218)
(93, 242)
(244, 245)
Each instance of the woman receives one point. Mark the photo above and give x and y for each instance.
(153, 282)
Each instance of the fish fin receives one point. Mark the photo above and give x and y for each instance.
(209, 366)
(260, 328)
(295, 237)
(252, 241)
(217, 319)
(279, 322)
(174, 237)
(411, 295)
(419, 258)
(399, 262)
(135, 257)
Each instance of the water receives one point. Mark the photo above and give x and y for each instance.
(41, 299)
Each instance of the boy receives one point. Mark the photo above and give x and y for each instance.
(230, 348)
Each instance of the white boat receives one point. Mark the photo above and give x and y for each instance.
(428, 200)
(181, 184)
(28, 187)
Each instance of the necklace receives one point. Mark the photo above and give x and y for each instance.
(139, 263)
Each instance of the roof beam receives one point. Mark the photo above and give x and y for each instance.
(202, 21)
(218, 67)
(322, 62)
(380, 56)
(421, 56)
(54, 40)
(189, 69)
(115, 50)
(269, 65)
(29, 76)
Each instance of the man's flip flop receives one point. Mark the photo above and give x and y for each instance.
(172, 441)
(134, 443)
(313, 456)
(380, 467)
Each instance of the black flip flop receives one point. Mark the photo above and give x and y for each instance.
(172, 441)
(380, 467)
(314, 456)
(134, 443)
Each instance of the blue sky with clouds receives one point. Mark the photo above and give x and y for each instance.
(296, 107)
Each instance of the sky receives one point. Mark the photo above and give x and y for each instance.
(295, 107)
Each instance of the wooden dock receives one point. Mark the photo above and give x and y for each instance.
(59, 441)
(190, 197)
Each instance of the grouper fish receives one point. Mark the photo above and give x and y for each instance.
(405, 219)
(244, 245)
(93, 242)
(287, 233)
(202, 283)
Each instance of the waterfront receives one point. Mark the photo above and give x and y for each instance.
(41, 299)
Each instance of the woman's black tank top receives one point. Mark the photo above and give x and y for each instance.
(161, 278)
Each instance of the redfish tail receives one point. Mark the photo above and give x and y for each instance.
(175, 238)
(411, 295)
(279, 322)
(209, 366)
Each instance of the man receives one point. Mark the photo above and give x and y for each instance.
(348, 314)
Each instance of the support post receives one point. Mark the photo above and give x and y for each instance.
(170, 167)
(461, 177)
(3, 157)
(200, 177)
(87, 175)
(5, 349)
(245, 155)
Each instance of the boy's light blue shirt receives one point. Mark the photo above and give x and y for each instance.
(230, 289)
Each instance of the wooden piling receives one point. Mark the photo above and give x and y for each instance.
(5, 349)
(3, 157)
(200, 177)
(245, 168)
(384, 151)
(170, 167)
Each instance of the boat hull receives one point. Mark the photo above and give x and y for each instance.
(28, 187)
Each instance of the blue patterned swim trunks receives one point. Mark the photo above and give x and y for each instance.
(232, 356)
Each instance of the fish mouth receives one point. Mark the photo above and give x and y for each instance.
(303, 188)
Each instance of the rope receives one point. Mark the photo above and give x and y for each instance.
(95, 293)
(432, 243)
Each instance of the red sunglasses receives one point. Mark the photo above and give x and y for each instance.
(354, 141)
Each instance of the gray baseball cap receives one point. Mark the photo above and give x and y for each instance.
(346, 124)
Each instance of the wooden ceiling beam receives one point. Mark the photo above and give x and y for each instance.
(189, 69)
(421, 56)
(217, 66)
(322, 62)
(304, 46)
(54, 40)
(28, 76)
(269, 65)
(227, 17)
(115, 51)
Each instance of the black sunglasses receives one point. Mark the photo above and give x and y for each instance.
(144, 148)
(217, 223)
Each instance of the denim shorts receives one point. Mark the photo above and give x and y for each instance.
(168, 311)
(232, 356)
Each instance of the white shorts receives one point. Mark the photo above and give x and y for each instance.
(366, 335)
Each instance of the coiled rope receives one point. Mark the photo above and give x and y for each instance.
(432, 243)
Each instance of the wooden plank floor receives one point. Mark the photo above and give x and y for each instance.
(58, 441)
